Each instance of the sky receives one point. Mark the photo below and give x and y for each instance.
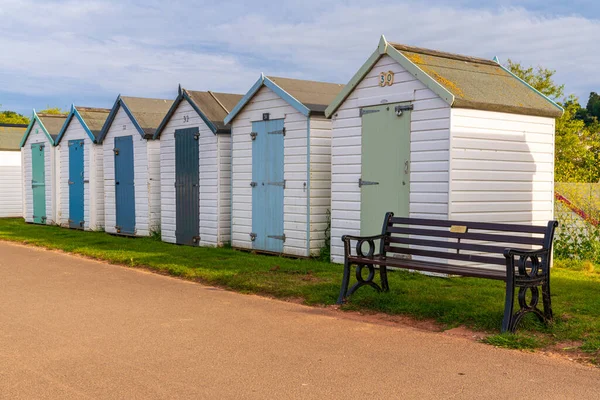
(62, 52)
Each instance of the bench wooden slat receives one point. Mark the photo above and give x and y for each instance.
(447, 255)
(433, 267)
(486, 237)
(488, 226)
(484, 248)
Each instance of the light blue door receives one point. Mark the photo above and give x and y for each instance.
(124, 185)
(76, 184)
(267, 185)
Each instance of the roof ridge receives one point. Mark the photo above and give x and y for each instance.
(81, 108)
(218, 102)
(52, 115)
(443, 54)
(304, 80)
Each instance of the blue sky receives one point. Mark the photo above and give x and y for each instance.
(55, 53)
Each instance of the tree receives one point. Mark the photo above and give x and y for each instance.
(11, 117)
(593, 105)
(540, 79)
(52, 110)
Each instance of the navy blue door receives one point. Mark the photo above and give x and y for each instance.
(267, 185)
(76, 184)
(187, 197)
(124, 187)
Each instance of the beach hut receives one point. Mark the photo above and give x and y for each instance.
(195, 169)
(132, 166)
(39, 167)
(281, 175)
(80, 203)
(436, 135)
(11, 179)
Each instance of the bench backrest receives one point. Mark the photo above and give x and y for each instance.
(478, 242)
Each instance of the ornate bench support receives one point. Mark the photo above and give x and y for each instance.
(528, 272)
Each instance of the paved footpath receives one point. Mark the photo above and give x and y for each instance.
(72, 328)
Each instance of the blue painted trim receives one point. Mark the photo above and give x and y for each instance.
(111, 117)
(287, 97)
(34, 118)
(65, 126)
(308, 186)
(180, 97)
(529, 86)
(263, 80)
(238, 107)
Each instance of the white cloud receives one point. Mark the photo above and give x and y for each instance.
(147, 48)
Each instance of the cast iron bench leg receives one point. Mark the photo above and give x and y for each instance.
(507, 322)
(345, 283)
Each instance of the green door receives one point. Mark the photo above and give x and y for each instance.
(385, 180)
(38, 183)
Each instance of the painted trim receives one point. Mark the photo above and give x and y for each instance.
(383, 48)
(68, 121)
(263, 80)
(308, 186)
(562, 110)
(113, 113)
(183, 95)
(34, 118)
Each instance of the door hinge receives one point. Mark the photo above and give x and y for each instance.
(253, 135)
(69, 220)
(253, 184)
(253, 236)
(364, 111)
(362, 183)
(71, 182)
(279, 132)
(282, 183)
(282, 237)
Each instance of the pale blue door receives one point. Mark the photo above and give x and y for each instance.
(268, 185)
(76, 184)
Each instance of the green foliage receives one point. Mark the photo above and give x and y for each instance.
(325, 251)
(540, 79)
(516, 341)
(593, 105)
(53, 110)
(11, 117)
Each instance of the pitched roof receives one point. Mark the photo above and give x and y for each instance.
(10, 136)
(316, 96)
(148, 113)
(94, 118)
(461, 81)
(305, 96)
(53, 123)
(215, 106)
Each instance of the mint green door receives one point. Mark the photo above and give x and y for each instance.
(38, 182)
(385, 178)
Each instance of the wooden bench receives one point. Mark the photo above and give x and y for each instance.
(460, 248)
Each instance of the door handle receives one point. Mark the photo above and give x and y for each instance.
(117, 182)
(406, 165)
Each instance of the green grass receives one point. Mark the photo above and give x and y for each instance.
(474, 303)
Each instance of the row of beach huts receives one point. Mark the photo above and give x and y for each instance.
(419, 132)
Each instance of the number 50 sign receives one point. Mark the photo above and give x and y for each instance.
(386, 78)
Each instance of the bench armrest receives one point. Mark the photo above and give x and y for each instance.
(524, 253)
(360, 240)
(531, 264)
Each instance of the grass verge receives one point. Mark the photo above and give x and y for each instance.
(474, 303)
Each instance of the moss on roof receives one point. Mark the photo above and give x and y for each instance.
(478, 83)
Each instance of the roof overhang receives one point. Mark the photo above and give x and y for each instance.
(264, 81)
(111, 116)
(75, 113)
(35, 118)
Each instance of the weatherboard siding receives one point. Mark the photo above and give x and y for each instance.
(430, 136)
(295, 171)
(214, 185)
(502, 167)
(145, 179)
(11, 184)
(49, 166)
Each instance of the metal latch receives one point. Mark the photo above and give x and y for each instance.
(282, 237)
(253, 236)
(279, 132)
(81, 224)
(399, 109)
(364, 111)
(196, 136)
(253, 135)
(118, 228)
(362, 183)
(282, 183)
(253, 184)
(116, 151)
(196, 239)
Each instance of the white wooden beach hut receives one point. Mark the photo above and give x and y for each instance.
(11, 180)
(39, 167)
(195, 168)
(435, 135)
(281, 166)
(80, 203)
(132, 166)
